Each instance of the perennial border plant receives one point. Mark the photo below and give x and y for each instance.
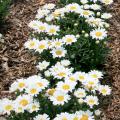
(70, 40)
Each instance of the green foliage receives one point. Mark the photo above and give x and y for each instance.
(4, 5)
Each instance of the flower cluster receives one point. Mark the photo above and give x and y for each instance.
(61, 90)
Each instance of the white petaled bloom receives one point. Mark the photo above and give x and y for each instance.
(49, 6)
(23, 101)
(63, 116)
(52, 30)
(87, 13)
(47, 73)
(80, 93)
(59, 98)
(85, 115)
(42, 45)
(34, 107)
(86, 6)
(34, 24)
(95, 74)
(58, 13)
(42, 27)
(49, 18)
(31, 44)
(66, 86)
(75, 116)
(91, 100)
(74, 7)
(43, 65)
(20, 85)
(107, 2)
(104, 90)
(84, 1)
(57, 43)
(106, 16)
(41, 13)
(95, 22)
(59, 52)
(59, 71)
(95, 7)
(98, 34)
(32, 90)
(81, 76)
(71, 78)
(69, 39)
(42, 117)
(65, 62)
(91, 84)
(6, 106)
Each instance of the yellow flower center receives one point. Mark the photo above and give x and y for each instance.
(85, 13)
(72, 8)
(21, 85)
(91, 102)
(40, 84)
(34, 107)
(66, 87)
(51, 91)
(56, 14)
(84, 117)
(104, 91)
(32, 44)
(72, 78)
(58, 52)
(24, 102)
(81, 77)
(42, 27)
(52, 30)
(58, 43)
(91, 83)
(60, 98)
(41, 46)
(69, 40)
(98, 34)
(33, 91)
(62, 74)
(8, 107)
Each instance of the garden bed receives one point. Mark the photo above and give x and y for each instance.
(17, 62)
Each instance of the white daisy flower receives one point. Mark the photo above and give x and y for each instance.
(69, 39)
(49, 6)
(59, 98)
(95, 74)
(71, 78)
(42, 27)
(34, 107)
(84, 1)
(106, 16)
(7, 106)
(53, 29)
(57, 43)
(87, 13)
(20, 85)
(95, 7)
(58, 52)
(31, 44)
(107, 2)
(98, 34)
(80, 93)
(65, 62)
(43, 65)
(42, 117)
(66, 86)
(104, 90)
(63, 116)
(91, 100)
(42, 45)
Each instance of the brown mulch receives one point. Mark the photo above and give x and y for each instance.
(16, 62)
(113, 63)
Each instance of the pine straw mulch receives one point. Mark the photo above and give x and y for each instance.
(16, 62)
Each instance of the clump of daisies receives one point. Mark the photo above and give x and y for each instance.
(70, 40)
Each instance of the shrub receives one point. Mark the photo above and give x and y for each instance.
(70, 41)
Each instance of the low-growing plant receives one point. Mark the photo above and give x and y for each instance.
(70, 40)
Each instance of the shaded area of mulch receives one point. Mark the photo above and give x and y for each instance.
(16, 62)
(113, 63)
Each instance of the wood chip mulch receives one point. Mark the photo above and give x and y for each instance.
(16, 62)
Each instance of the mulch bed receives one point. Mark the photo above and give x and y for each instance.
(16, 62)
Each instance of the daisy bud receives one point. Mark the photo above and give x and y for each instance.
(83, 31)
(77, 36)
(97, 112)
(86, 35)
(80, 101)
(98, 13)
(97, 42)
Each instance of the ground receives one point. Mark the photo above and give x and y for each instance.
(16, 62)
